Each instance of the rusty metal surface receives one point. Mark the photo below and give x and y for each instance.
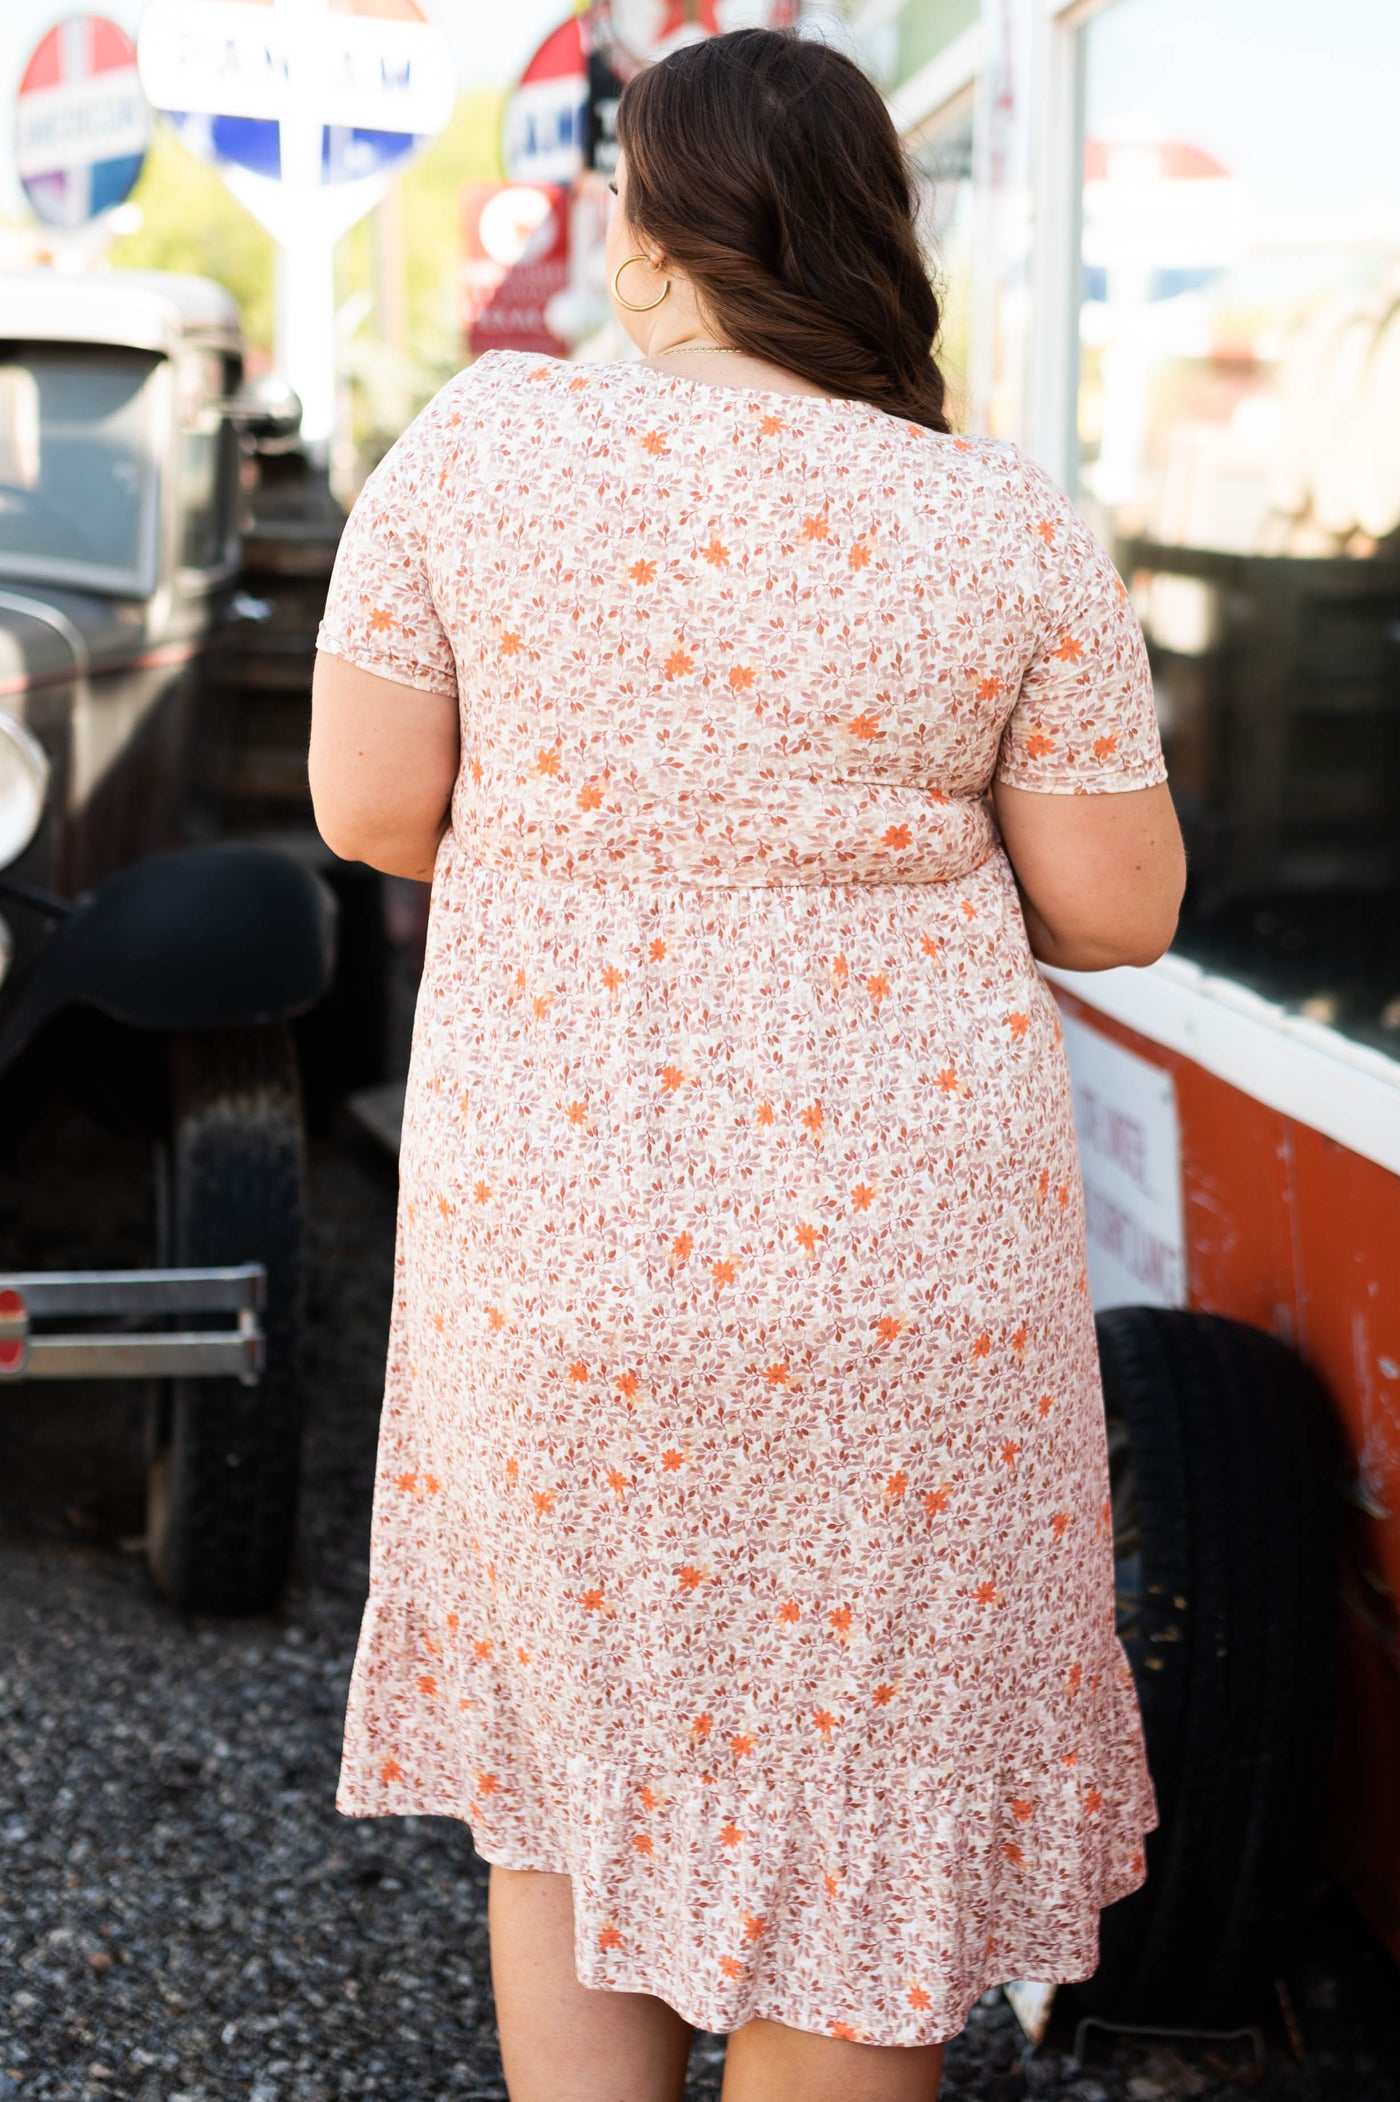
(1296, 1234)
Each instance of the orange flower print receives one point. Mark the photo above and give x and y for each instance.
(487, 1784)
(895, 1485)
(643, 572)
(918, 1999)
(702, 1726)
(427, 1683)
(883, 1695)
(672, 1078)
(778, 1376)
(935, 1501)
(679, 664)
(824, 1722)
(481, 1192)
(656, 950)
(618, 1482)
(731, 1967)
(1013, 1852)
(731, 1836)
(769, 425)
(577, 1113)
(807, 1238)
(390, 1771)
(930, 945)
(578, 1373)
(812, 1118)
(844, 2032)
(482, 1646)
(1039, 745)
(741, 1744)
(753, 1927)
(989, 688)
(724, 1271)
(672, 1461)
(689, 1577)
(987, 1594)
(790, 1611)
(612, 978)
(381, 620)
(816, 528)
(948, 1081)
(866, 727)
(681, 1247)
(878, 987)
(1045, 527)
(840, 1623)
(1093, 1801)
(1076, 1677)
(609, 1938)
(511, 642)
(628, 1385)
(642, 1842)
(512, 1472)
(495, 1320)
(593, 1600)
(858, 554)
(831, 1881)
(543, 1501)
(888, 1327)
(1021, 1809)
(1018, 1344)
(898, 836)
(547, 763)
(1044, 1405)
(862, 1197)
(1018, 1024)
(654, 442)
(1105, 747)
(1059, 1524)
(541, 1005)
(741, 677)
(1071, 649)
(716, 553)
(764, 1115)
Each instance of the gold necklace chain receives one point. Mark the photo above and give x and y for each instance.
(680, 350)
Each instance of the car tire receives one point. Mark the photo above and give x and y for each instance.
(1223, 1456)
(224, 1459)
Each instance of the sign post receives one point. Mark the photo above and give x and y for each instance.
(309, 108)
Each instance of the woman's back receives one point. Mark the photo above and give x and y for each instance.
(740, 637)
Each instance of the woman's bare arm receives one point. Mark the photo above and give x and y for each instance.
(1101, 876)
(383, 763)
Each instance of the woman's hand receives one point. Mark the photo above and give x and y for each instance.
(383, 764)
(1101, 877)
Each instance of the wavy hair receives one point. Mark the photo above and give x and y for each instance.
(766, 167)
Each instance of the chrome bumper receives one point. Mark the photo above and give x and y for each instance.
(53, 1296)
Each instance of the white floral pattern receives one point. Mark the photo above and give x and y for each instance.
(741, 1534)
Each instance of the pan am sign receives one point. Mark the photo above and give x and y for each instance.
(81, 121)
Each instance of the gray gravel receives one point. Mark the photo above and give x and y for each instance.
(185, 1918)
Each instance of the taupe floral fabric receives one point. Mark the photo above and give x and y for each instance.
(741, 1535)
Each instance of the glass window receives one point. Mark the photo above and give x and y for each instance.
(208, 463)
(942, 159)
(1239, 441)
(77, 471)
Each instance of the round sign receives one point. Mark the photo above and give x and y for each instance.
(81, 121)
(546, 116)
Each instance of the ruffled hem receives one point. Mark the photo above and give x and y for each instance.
(872, 1903)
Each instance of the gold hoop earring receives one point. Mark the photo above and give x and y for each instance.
(634, 306)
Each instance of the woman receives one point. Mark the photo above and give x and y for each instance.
(742, 1568)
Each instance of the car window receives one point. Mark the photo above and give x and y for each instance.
(77, 465)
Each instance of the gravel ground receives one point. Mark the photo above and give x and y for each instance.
(184, 1916)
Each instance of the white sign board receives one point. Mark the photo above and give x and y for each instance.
(1130, 1153)
(361, 70)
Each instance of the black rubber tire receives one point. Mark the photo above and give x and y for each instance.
(1228, 1475)
(224, 1460)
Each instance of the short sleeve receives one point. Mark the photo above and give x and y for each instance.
(380, 613)
(1084, 722)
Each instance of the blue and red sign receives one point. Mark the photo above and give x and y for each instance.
(82, 121)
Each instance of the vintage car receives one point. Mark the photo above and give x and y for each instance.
(157, 963)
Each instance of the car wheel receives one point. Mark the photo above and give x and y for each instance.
(224, 1459)
(1223, 1455)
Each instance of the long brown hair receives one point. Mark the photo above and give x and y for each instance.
(766, 167)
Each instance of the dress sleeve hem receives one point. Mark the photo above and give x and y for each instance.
(329, 644)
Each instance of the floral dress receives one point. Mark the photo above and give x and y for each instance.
(741, 1539)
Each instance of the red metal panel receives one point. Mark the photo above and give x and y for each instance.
(1298, 1235)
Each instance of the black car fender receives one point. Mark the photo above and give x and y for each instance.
(202, 938)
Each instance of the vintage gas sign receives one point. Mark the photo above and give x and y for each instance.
(515, 241)
(82, 122)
